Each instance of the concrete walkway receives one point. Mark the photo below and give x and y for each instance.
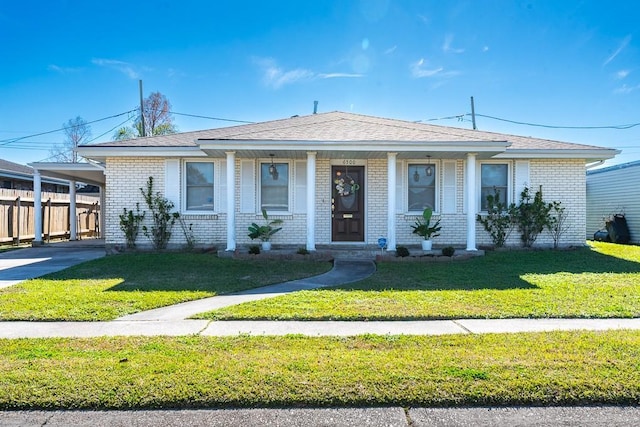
(343, 271)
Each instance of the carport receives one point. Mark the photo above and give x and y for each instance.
(87, 173)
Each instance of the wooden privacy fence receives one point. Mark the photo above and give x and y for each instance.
(18, 223)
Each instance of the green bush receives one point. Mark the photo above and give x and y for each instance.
(448, 251)
(401, 251)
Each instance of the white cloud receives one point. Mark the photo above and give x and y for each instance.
(63, 70)
(620, 48)
(485, 48)
(121, 66)
(446, 46)
(339, 75)
(390, 50)
(419, 70)
(424, 18)
(622, 74)
(625, 89)
(275, 76)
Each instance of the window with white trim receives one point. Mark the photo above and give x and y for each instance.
(421, 186)
(274, 186)
(199, 191)
(494, 178)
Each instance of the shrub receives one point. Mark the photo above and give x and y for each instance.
(531, 216)
(497, 221)
(558, 223)
(302, 251)
(189, 236)
(130, 225)
(448, 251)
(401, 251)
(163, 219)
(254, 249)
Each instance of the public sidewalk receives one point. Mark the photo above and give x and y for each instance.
(394, 416)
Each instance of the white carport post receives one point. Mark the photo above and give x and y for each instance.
(73, 221)
(231, 198)
(391, 201)
(37, 207)
(103, 210)
(470, 188)
(311, 200)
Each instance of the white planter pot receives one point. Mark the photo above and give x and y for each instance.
(266, 246)
(427, 244)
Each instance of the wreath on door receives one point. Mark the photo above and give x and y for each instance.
(345, 185)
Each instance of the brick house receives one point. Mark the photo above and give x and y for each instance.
(340, 178)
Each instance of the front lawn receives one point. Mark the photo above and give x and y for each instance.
(114, 286)
(559, 368)
(602, 280)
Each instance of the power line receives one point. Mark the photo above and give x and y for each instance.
(110, 130)
(619, 127)
(12, 140)
(210, 118)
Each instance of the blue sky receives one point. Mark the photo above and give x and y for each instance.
(557, 63)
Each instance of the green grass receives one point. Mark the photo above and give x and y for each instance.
(600, 281)
(559, 368)
(114, 286)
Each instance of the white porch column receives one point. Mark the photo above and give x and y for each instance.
(471, 198)
(73, 222)
(391, 201)
(103, 211)
(311, 200)
(37, 208)
(231, 199)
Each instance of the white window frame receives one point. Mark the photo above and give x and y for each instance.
(216, 187)
(290, 184)
(479, 181)
(405, 178)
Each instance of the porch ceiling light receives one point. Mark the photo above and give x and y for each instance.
(273, 171)
(428, 170)
(416, 175)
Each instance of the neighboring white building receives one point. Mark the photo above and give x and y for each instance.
(614, 190)
(337, 178)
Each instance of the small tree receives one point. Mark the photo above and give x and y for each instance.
(130, 225)
(558, 223)
(531, 216)
(497, 221)
(163, 218)
(158, 120)
(77, 132)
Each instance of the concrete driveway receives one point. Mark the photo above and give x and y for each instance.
(27, 263)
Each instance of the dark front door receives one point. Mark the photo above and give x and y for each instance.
(347, 203)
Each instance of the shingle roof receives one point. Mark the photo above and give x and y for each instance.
(7, 166)
(340, 126)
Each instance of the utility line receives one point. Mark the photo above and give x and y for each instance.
(12, 140)
(211, 118)
(620, 127)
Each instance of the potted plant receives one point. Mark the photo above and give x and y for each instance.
(423, 228)
(264, 232)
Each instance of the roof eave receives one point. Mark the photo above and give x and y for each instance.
(587, 154)
(99, 153)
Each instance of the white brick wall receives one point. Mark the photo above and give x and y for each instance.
(561, 180)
